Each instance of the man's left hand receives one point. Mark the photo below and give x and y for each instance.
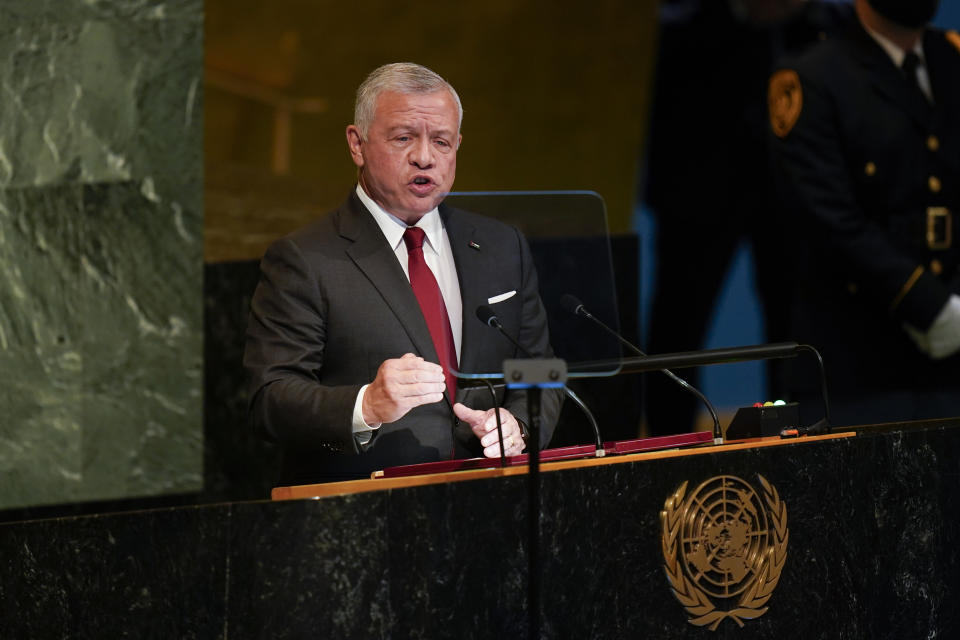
(484, 426)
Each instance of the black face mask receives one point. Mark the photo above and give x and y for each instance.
(907, 13)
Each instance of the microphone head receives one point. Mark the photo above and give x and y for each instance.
(571, 304)
(487, 316)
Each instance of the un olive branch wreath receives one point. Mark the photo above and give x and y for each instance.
(695, 601)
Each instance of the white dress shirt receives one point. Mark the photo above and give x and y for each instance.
(439, 257)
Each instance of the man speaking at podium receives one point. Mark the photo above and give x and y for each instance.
(360, 317)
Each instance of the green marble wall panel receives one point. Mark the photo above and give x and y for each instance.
(100, 249)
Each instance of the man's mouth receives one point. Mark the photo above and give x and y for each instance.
(422, 185)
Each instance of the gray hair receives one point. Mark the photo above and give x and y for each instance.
(400, 77)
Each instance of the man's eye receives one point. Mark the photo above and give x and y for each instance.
(442, 143)
(403, 138)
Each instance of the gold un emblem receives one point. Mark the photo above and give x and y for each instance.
(724, 547)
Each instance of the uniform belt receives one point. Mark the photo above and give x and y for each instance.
(937, 229)
(940, 228)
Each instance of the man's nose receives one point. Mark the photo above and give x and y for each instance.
(422, 154)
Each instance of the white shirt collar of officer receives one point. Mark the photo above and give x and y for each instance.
(896, 53)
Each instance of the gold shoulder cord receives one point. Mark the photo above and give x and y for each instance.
(912, 280)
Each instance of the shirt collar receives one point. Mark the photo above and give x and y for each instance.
(393, 227)
(896, 53)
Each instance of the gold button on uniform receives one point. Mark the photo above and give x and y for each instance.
(933, 143)
(936, 267)
(870, 169)
(934, 183)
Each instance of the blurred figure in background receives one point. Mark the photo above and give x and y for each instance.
(867, 143)
(708, 180)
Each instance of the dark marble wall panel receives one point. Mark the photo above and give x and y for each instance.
(873, 523)
(101, 247)
(158, 574)
(444, 561)
(238, 465)
(275, 593)
(453, 546)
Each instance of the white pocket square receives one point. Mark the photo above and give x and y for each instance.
(501, 297)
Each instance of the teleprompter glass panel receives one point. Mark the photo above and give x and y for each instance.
(568, 237)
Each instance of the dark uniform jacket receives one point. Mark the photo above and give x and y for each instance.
(871, 173)
(708, 179)
(333, 303)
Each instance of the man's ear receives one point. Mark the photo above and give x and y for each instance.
(355, 144)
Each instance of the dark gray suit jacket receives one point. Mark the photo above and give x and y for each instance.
(333, 303)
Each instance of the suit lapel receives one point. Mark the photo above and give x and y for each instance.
(887, 80)
(375, 258)
(470, 271)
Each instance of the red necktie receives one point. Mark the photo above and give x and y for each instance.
(428, 294)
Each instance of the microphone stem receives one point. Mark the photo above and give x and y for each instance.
(717, 434)
(823, 387)
(496, 413)
(593, 422)
(569, 392)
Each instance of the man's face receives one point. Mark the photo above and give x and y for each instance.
(912, 14)
(409, 159)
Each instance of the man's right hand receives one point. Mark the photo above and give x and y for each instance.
(402, 384)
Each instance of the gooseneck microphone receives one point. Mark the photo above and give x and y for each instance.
(488, 316)
(572, 305)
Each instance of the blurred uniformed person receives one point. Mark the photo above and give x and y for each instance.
(867, 143)
(708, 181)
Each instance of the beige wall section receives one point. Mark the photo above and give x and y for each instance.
(555, 97)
